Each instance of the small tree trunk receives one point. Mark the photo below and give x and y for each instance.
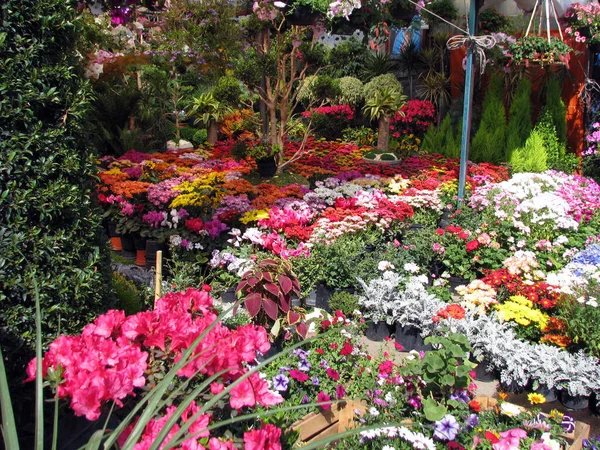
(212, 132)
(383, 136)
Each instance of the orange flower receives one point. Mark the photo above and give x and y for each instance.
(130, 188)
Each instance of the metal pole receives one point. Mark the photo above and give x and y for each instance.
(467, 114)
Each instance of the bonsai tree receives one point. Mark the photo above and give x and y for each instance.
(382, 107)
(207, 110)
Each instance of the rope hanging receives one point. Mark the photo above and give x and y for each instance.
(477, 43)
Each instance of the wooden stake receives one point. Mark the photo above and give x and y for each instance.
(158, 277)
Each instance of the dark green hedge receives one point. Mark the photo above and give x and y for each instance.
(49, 225)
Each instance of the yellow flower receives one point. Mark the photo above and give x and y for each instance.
(556, 414)
(502, 395)
(536, 399)
(254, 216)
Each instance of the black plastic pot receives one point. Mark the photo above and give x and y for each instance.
(454, 282)
(139, 242)
(266, 167)
(228, 296)
(409, 338)
(551, 395)
(482, 373)
(302, 15)
(377, 331)
(152, 247)
(111, 229)
(128, 251)
(323, 294)
(575, 402)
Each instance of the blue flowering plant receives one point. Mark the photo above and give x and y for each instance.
(593, 443)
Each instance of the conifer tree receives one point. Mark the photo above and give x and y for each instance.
(520, 117)
(489, 142)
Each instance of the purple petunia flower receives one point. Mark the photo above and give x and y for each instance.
(305, 399)
(460, 396)
(281, 382)
(315, 381)
(304, 365)
(472, 421)
(446, 429)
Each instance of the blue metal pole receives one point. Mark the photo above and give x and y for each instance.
(467, 115)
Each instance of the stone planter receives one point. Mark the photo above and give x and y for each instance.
(409, 337)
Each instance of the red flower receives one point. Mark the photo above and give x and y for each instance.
(455, 445)
(440, 231)
(463, 235)
(206, 288)
(491, 437)
(472, 245)
(322, 397)
(333, 346)
(475, 406)
(298, 376)
(320, 351)
(346, 349)
(333, 374)
(398, 346)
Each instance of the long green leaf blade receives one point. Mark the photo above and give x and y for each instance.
(9, 427)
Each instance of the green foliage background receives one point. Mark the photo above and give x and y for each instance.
(50, 229)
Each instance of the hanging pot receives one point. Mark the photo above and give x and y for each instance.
(575, 402)
(266, 167)
(302, 15)
(409, 337)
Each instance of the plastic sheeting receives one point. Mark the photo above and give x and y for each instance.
(527, 5)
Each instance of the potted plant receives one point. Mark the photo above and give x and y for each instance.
(381, 107)
(267, 290)
(206, 109)
(538, 49)
(584, 23)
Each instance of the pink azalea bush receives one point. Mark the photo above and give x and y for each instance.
(117, 354)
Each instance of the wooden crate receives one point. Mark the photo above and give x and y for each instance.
(575, 439)
(326, 423)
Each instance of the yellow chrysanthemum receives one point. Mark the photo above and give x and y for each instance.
(536, 399)
(254, 216)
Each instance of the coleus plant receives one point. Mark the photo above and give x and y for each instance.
(267, 290)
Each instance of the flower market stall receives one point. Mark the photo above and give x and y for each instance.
(335, 270)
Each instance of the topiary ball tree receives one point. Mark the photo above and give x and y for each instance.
(50, 229)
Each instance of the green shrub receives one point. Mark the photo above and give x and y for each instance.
(489, 143)
(128, 296)
(381, 83)
(532, 157)
(200, 137)
(556, 108)
(370, 155)
(316, 88)
(228, 91)
(388, 157)
(520, 116)
(433, 140)
(343, 301)
(362, 135)
(351, 92)
(346, 59)
(558, 157)
(50, 229)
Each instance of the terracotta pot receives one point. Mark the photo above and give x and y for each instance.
(115, 243)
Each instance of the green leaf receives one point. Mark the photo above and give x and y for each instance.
(433, 411)
(434, 361)
(447, 380)
(9, 427)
